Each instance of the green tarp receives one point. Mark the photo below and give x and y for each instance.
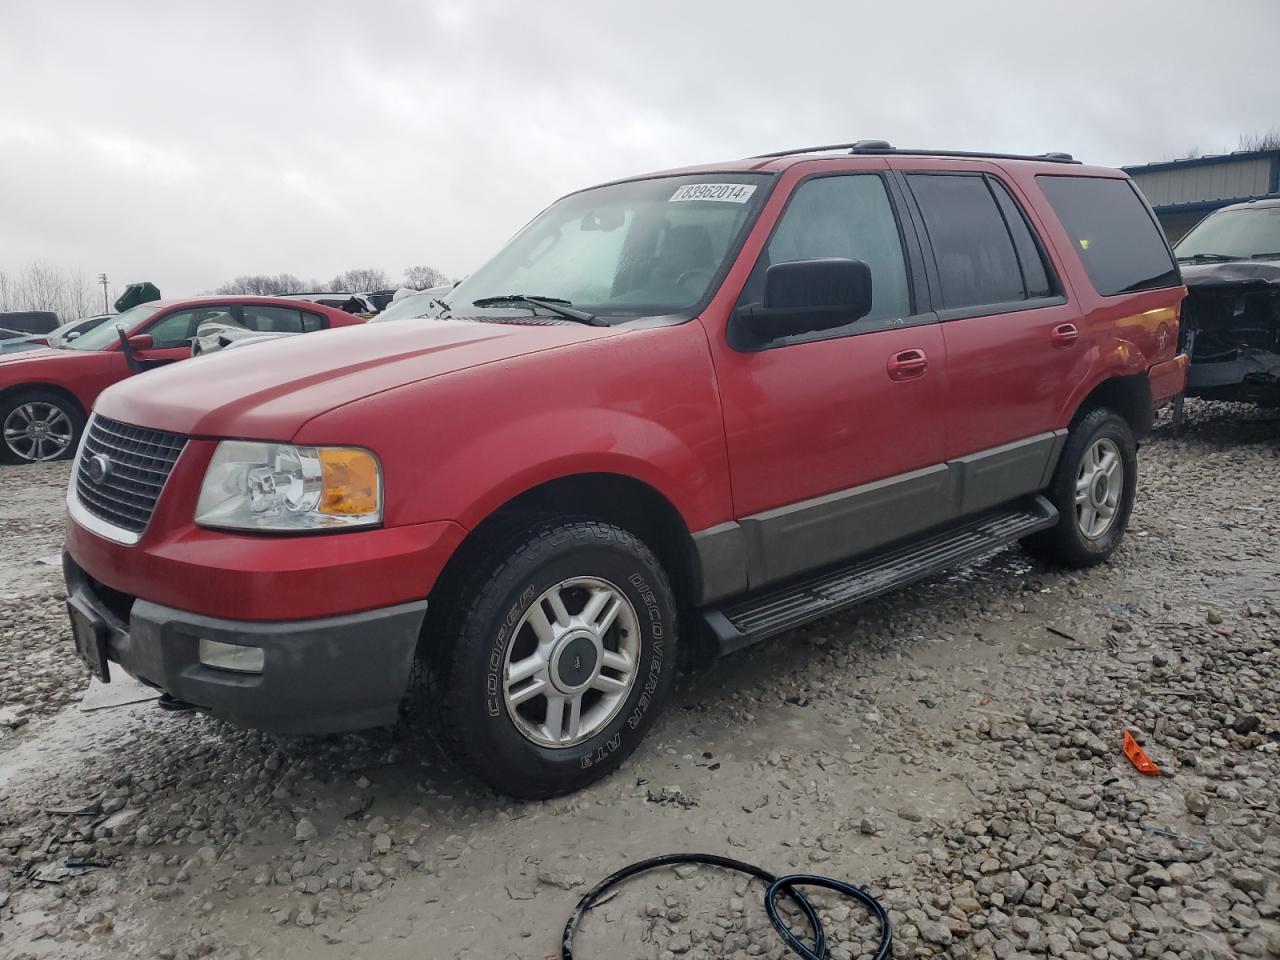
(135, 294)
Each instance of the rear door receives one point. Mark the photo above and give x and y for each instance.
(1013, 339)
(835, 438)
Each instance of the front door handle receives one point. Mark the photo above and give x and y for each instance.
(908, 364)
(1065, 334)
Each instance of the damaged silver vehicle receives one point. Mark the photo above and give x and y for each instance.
(1231, 318)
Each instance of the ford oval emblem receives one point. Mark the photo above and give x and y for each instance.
(99, 468)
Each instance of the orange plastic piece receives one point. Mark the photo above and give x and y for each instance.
(1138, 758)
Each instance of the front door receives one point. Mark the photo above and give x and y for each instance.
(835, 438)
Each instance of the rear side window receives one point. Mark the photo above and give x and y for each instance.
(1035, 276)
(267, 319)
(972, 247)
(1112, 230)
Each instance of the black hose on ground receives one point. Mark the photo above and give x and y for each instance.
(778, 886)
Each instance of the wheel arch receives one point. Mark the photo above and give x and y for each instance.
(1128, 395)
(17, 389)
(618, 499)
(621, 500)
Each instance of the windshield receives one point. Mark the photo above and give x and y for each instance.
(1244, 232)
(104, 335)
(77, 327)
(640, 248)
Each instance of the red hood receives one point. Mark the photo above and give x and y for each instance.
(269, 390)
(39, 353)
(44, 364)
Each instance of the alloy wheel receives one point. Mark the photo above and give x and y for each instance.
(1099, 486)
(571, 662)
(38, 431)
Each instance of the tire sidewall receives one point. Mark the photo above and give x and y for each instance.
(1098, 425)
(531, 769)
(41, 396)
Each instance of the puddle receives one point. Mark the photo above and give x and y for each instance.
(122, 690)
(48, 747)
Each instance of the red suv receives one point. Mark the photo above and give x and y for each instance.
(712, 404)
(46, 394)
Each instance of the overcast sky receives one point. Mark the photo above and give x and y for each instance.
(188, 142)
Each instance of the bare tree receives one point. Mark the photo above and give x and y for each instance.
(41, 285)
(267, 285)
(422, 277)
(80, 298)
(1260, 141)
(361, 280)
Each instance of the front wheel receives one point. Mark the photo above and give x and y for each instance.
(38, 425)
(1093, 489)
(558, 653)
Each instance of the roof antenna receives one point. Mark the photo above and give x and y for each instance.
(870, 146)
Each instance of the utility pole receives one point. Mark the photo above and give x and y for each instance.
(102, 279)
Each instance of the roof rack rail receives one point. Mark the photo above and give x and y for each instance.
(883, 147)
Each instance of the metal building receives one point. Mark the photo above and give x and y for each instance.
(1184, 191)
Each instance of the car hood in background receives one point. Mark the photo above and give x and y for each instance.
(269, 392)
(1265, 273)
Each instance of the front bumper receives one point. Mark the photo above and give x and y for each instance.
(320, 676)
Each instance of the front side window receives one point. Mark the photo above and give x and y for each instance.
(177, 329)
(1239, 234)
(1113, 232)
(639, 248)
(845, 216)
(974, 252)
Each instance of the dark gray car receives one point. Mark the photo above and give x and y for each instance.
(1231, 318)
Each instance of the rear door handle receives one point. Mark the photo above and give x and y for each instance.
(907, 364)
(1065, 334)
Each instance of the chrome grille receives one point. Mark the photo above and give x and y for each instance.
(141, 460)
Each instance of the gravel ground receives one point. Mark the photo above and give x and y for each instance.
(956, 748)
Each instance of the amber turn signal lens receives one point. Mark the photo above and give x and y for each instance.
(350, 482)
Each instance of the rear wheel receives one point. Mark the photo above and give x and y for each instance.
(38, 425)
(1093, 490)
(560, 651)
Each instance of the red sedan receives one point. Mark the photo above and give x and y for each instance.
(46, 394)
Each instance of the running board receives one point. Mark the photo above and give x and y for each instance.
(755, 618)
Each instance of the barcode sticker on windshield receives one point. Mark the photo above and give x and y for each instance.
(724, 192)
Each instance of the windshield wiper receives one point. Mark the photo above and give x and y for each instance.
(1266, 256)
(444, 307)
(556, 305)
(1211, 257)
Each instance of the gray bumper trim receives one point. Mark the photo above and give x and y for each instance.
(320, 676)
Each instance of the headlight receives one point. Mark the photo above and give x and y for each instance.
(280, 487)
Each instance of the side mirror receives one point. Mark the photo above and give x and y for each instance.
(126, 348)
(141, 341)
(804, 296)
(73, 335)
